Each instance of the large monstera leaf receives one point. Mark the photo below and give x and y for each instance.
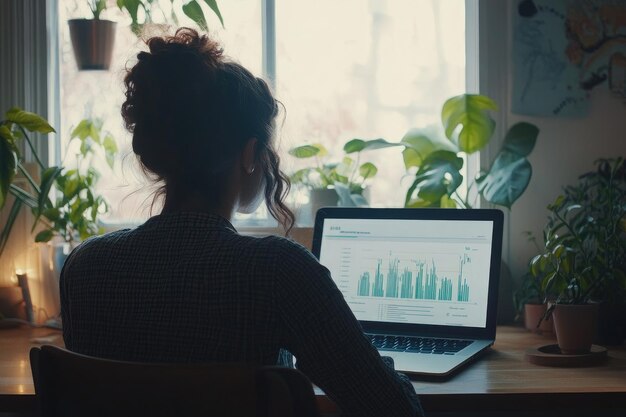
(438, 176)
(467, 122)
(511, 172)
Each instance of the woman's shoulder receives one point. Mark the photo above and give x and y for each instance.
(94, 246)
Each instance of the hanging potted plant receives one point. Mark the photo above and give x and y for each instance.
(93, 39)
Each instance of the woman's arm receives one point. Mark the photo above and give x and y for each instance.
(329, 344)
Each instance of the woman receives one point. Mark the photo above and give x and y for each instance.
(184, 286)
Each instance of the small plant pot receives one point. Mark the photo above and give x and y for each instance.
(12, 302)
(93, 42)
(322, 198)
(533, 314)
(575, 327)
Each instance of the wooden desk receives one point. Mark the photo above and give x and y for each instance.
(500, 381)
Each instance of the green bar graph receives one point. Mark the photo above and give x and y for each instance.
(420, 281)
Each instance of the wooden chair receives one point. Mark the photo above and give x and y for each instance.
(69, 384)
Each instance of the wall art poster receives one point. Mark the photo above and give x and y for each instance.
(562, 50)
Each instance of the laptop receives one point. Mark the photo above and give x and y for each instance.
(423, 283)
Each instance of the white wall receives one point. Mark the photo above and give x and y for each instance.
(565, 148)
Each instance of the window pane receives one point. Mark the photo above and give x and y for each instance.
(367, 69)
(101, 93)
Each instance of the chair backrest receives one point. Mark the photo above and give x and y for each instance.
(69, 384)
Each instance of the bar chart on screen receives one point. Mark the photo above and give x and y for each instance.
(421, 280)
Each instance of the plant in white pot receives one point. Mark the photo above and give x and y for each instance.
(332, 183)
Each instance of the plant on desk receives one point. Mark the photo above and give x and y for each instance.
(584, 260)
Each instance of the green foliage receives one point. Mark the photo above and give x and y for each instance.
(585, 239)
(347, 177)
(191, 9)
(468, 128)
(63, 201)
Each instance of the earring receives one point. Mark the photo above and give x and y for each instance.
(250, 169)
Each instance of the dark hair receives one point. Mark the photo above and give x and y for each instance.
(191, 111)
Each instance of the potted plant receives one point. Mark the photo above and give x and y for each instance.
(64, 201)
(332, 183)
(585, 256)
(435, 161)
(530, 300)
(93, 39)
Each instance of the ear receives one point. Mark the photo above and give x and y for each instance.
(248, 156)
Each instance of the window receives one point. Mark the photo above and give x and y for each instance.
(349, 69)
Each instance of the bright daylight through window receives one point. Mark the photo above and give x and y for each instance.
(343, 70)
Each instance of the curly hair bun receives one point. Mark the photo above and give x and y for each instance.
(191, 111)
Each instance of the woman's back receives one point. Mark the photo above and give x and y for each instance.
(183, 287)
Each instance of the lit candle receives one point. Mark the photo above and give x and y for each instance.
(22, 281)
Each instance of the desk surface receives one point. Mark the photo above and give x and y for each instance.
(502, 379)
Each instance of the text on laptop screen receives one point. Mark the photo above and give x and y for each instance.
(433, 272)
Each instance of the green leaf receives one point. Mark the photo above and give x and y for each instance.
(44, 236)
(507, 179)
(110, 149)
(213, 5)
(5, 133)
(132, 6)
(8, 167)
(470, 112)
(48, 178)
(419, 143)
(29, 121)
(82, 130)
(194, 12)
(358, 145)
(368, 170)
(439, 175)
(52, 214)
(521, 138)
(305, 151)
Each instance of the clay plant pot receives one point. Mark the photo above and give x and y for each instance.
(12, 302)
(533, 314)
(93, 42)
(575, 327)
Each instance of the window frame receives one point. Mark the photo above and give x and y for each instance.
(268, 28)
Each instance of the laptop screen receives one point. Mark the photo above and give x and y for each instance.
(433, 272)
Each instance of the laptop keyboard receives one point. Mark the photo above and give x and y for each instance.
(418, 344)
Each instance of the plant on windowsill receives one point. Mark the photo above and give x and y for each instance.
(93, 39)
(584, 260)
(64, 201)
(436, 163)
(332, 183)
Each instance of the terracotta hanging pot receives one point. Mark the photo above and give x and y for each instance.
(93, 42)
